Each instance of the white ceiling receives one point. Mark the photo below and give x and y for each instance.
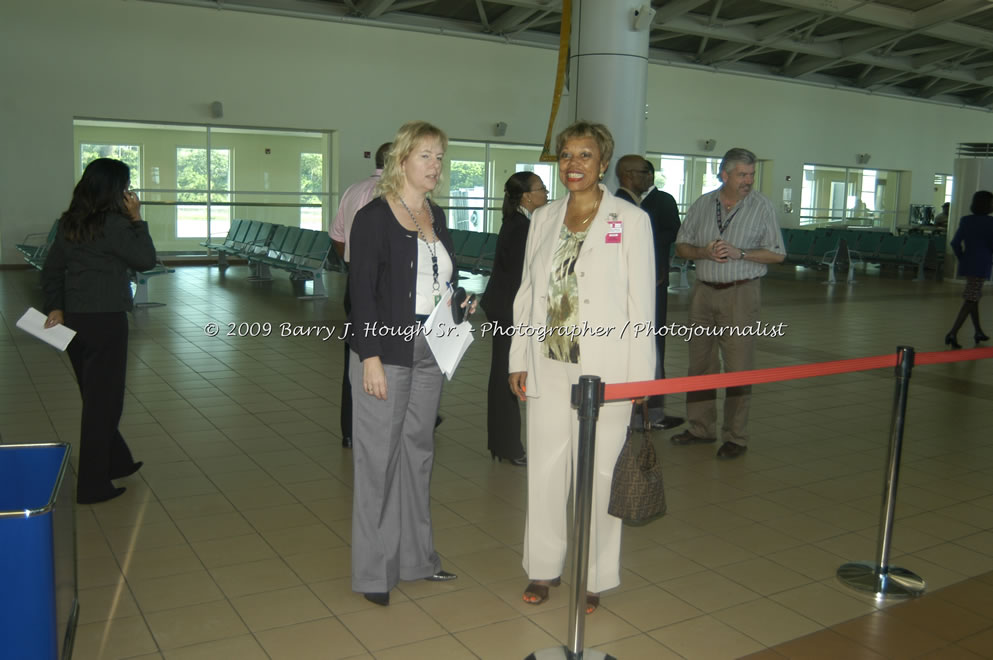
(941, 51)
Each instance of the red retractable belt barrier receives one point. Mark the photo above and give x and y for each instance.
(620, 391)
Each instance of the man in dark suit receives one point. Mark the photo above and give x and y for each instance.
(636, 177)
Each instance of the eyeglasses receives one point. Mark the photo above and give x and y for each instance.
(543, 189)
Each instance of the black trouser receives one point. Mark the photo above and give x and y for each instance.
(99, 356)
(661, 309)
(346, 383)
(503, 412)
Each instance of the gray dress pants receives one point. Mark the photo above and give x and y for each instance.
(393, 453)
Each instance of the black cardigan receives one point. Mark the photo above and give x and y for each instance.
(93, 276)
(382, 277)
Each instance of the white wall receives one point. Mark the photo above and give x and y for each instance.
(793, 124)
(111, 59)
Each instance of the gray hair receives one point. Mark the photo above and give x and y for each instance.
(737, 155)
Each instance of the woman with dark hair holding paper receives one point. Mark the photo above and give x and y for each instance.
(87, 285)
(973, 245)
(402, 261)
(522, 194)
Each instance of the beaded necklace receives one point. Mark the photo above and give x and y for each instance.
(432, 249)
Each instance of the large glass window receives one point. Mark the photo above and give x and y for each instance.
(467, 193)
(311, 184)
(471, 191)
(129, 154)
(194, 180)
(207, 189)
(687, 177)
(854, 197)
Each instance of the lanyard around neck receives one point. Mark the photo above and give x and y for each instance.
(722, 226)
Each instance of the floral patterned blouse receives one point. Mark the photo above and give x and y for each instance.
(563, 297)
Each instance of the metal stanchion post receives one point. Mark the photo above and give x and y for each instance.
(587, 397)
(878, 577)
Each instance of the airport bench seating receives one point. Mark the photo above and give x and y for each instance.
(831, 248)
(474, 250)
(303, 253)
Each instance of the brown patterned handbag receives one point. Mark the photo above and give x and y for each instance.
(636, 493)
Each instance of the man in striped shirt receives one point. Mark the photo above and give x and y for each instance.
(731, 234)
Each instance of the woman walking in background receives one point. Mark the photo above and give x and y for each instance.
(522, 194)
(975, 262)
(87, 285)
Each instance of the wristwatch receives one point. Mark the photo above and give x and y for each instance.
(742, 255)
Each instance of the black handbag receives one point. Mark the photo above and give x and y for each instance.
(636, 493)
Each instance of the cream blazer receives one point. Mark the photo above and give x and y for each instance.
(616, 281)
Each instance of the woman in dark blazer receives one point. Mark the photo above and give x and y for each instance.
(522, 194)
(402, 259)
(87, 285)
(975, 262)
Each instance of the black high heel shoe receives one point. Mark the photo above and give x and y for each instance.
(520, 461)
(951, 341)
(980, 337)
(128, 472)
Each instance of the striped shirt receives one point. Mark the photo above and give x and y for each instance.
(751, 224)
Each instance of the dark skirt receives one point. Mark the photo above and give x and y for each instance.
(973, 288)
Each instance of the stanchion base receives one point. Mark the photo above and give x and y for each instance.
(563, 653)
(895, 583)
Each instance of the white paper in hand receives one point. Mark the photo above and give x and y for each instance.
(33, 322)
(448, 341)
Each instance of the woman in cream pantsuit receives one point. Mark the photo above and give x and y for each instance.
(588, 266)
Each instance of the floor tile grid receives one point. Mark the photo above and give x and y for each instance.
(479, 397)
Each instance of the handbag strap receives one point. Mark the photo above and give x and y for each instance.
(642, 408)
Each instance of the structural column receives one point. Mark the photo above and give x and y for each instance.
(608, 65)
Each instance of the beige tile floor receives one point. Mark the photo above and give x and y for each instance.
(232, 542)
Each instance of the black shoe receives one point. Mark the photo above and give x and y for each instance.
(687, 438)
(378, 598)
(731, 450)
(950, 340)
(980, 337)
(109, 495)
(346, 441)
(667, 422)
(438, 420)
(441, 576)
(127, 473)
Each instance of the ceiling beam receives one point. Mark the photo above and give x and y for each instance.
(948, 10)
(777, 27)
(941, 87)
(891, 17)
(510, 19)
(482, 15)
(374, 8)
(940, 55)
(675, 8)
(722, 52)
(757, 18)
(807, 64)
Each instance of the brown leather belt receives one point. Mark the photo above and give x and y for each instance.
(726, 285)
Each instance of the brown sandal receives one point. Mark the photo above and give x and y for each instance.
(539, 592)
(592, 603)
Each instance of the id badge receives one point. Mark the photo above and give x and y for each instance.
(615, 228)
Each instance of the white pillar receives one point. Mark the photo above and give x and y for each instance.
(608, 71)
